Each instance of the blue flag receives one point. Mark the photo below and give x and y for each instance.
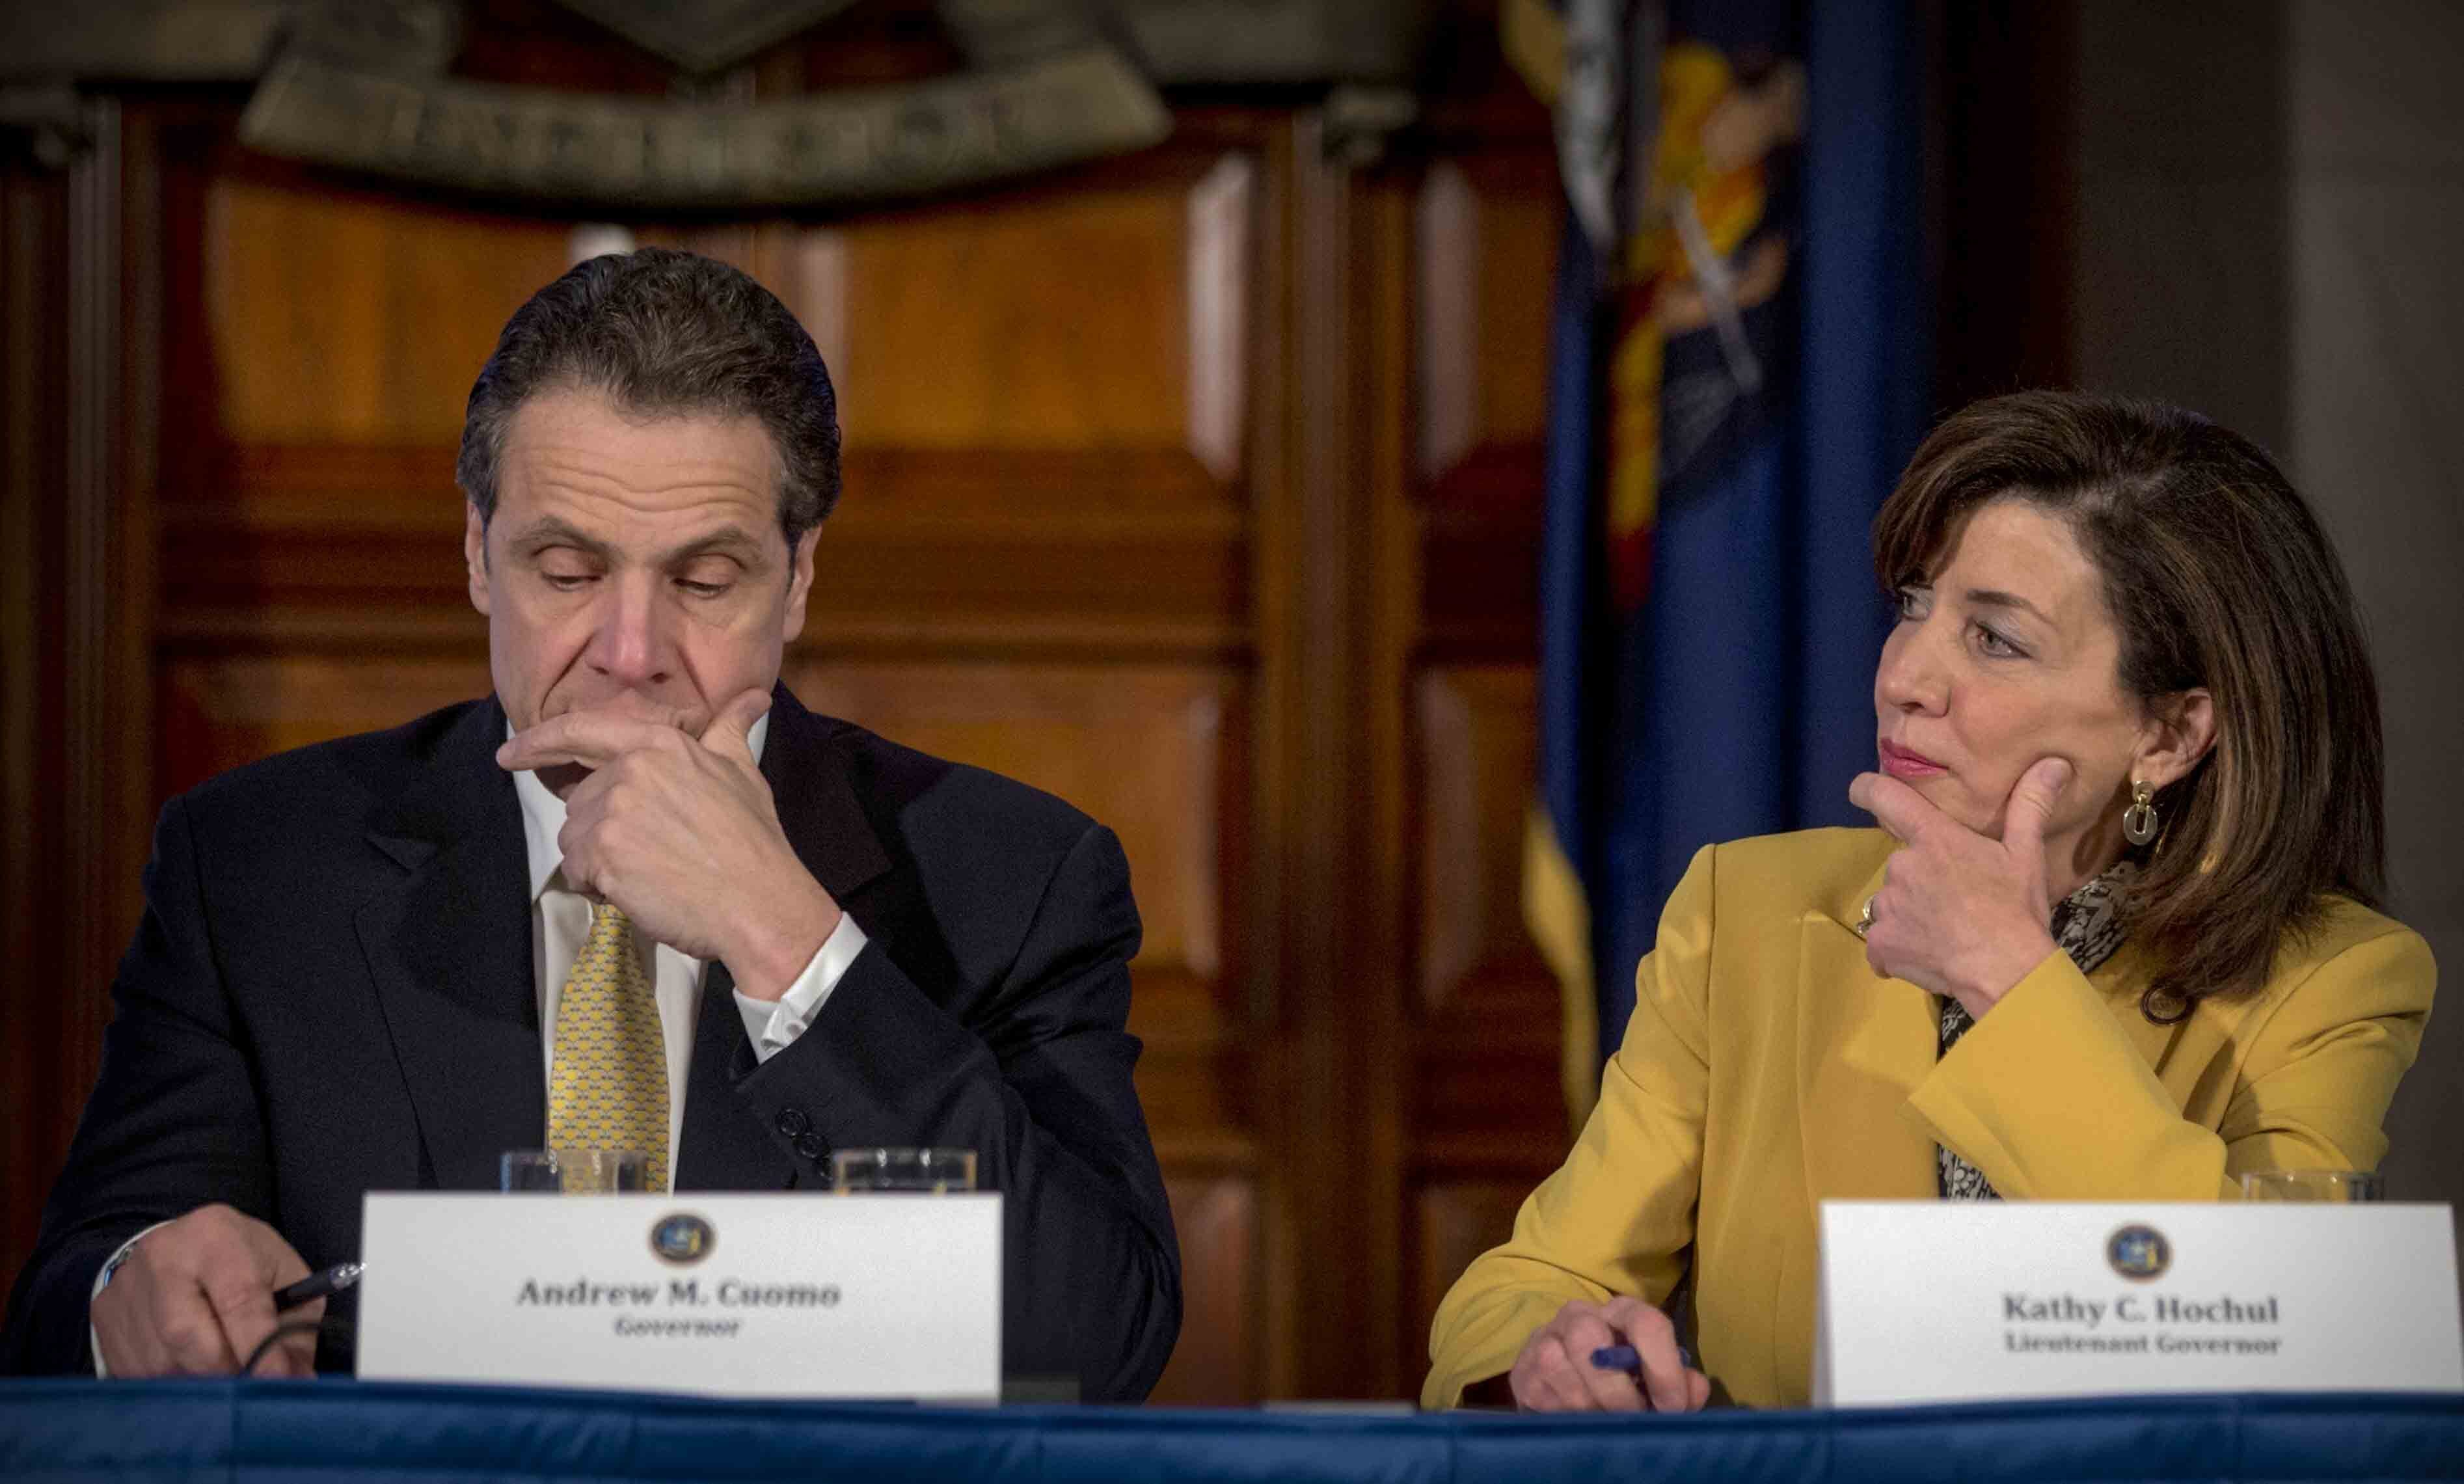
(1738, 369)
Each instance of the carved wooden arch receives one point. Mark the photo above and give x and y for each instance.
(1045, 88)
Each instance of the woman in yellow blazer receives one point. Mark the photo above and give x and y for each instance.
(2114, 940)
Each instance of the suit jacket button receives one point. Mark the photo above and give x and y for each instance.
(810, 1145)
(791, 1121)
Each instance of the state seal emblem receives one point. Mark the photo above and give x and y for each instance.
(2139, 1253)
(682, 1238)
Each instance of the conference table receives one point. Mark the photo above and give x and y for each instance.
(298, 1432)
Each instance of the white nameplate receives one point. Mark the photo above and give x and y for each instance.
(1958, 1300)
(778, 1294)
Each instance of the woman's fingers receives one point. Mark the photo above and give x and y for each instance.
(1961, 912)
(1896, 807)
(1586, 1331)
(1545, 1379)
(1569, 1375)
(1554, 1371)
(1654, 1338)
(1609, 1389)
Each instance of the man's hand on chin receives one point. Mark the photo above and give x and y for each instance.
(682, 835)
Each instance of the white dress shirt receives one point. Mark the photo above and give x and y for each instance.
(559, 926)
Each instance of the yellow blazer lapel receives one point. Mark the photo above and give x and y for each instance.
(1863, 1044)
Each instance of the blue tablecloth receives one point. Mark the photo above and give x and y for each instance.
(300, 1432)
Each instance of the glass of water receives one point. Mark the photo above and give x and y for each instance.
(573, 1171)
(923, 1172)
(2313, 1185)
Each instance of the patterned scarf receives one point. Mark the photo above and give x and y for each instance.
(2087, 924)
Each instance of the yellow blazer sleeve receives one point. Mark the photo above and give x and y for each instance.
(1616, 1216)
(2049, 1099)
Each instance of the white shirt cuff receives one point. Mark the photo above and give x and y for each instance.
(102, 1278)
(773, 1027)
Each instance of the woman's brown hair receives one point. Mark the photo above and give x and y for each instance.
(2216, 574)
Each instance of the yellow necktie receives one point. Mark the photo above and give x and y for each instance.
(609, 1087)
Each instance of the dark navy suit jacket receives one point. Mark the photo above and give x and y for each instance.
(331, 992)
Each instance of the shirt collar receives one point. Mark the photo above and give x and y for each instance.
(543, 813)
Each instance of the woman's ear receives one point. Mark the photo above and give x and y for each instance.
(2181, 729)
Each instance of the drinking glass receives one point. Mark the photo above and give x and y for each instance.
(929, 1172)
(2312, 1184)
(573, 1171)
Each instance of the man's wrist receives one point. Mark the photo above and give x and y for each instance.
(772, 1026)
(102, 1277)
(117, 1260)
(775, 945)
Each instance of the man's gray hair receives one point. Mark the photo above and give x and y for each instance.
(664, 333)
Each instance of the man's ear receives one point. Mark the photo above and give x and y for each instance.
(799, 585)
(2181, 729)
(474, 555)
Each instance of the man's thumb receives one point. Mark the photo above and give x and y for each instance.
(728, 730)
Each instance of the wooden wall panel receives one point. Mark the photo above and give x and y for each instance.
(1476, 747)
(1221, 1335)
(1486, 251)
(358, 319)
(48, 1048)
(1489, 1006)
(334, 546)
(80, 310)
(1486, 228)
(1485, 1115)
(1108, 318)
(1134, 551)
(1081, 346)
(1454, 1221)
(1020, 449)
(217, 713)
(1138, 747)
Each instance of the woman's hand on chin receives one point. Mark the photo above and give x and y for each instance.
(1961, 913)
(1554, 1373)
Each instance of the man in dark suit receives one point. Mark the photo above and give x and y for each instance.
(380, 963)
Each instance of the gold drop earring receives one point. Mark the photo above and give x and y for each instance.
(2139, 823)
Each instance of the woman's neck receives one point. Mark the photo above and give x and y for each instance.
(2084, 857)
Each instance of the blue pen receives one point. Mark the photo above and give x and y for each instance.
(1627, 1359)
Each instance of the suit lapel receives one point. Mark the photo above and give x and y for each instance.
(817, 801)
(724, 1146)
(448, 945)
(1863, 1044)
